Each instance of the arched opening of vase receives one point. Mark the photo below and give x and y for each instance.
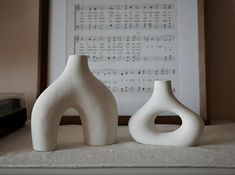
(70, 133)
(70, 117)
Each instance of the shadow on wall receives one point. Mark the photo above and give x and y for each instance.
(220, 58)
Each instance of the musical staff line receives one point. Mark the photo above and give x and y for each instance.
(118, 38)
(136, 26)
(126, 72)
(132, 89)
(131, 58)
(90, 7)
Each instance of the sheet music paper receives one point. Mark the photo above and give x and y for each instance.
(130, 44)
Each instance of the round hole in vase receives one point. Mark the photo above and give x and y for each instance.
(167, 123)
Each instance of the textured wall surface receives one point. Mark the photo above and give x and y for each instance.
(19, 47)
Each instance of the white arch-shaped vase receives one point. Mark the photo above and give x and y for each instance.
(143, 129)
(75, 88)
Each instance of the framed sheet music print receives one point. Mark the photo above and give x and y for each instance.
(130, 44)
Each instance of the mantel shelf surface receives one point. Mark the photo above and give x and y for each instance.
(216, 149)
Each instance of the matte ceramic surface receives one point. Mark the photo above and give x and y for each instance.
(143, 129)
(76, 88)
